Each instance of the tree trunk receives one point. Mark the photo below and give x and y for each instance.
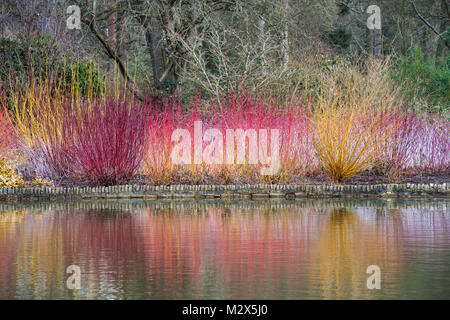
(119, 34)
(193, 38)
(157, 54)
(111, 33)
(112, 25)
(262, 43)
(441, 48)
(377, 43)
(285, 36)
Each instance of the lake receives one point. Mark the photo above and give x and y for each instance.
(208, 249)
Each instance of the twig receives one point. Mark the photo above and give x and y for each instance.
(113, 54)
(352, 9)
(427, 23)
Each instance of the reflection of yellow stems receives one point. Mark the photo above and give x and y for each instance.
(347, 246)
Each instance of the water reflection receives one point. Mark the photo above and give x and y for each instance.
(237, 250)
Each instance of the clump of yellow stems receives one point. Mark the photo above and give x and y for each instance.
(347, 135)
(39, 115)
(42, 100)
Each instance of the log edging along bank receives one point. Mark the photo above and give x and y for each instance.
(259, 191)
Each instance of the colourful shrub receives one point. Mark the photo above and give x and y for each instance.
(397, 150)
(110, 139)
(45, 133)
(348, 137)
(7, 137)
(234, 112)
(418, 143)
(431, 152)
(93, 140)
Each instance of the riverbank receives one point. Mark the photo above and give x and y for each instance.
(258, 191)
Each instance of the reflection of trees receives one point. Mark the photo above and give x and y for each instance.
(197, 252)
(45, 245)
(9, 222)
(215, 249)
(347, 247)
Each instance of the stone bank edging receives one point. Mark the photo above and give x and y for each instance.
(258, 191)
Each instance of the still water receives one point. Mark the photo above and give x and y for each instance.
(308, 249)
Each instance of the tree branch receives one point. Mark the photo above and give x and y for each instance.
(429, 25)
(113, 54)
(350, 8)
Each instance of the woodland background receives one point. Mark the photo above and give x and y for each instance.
(218, 46)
